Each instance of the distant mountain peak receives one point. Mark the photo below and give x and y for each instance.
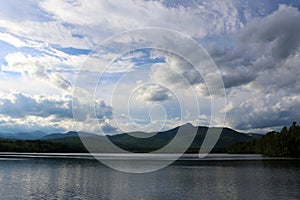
(189, 125)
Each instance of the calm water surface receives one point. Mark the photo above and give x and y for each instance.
(218, 177)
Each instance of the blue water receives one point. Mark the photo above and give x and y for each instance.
(217, 177)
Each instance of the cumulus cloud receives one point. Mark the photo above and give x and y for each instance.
(153, 93)
(270, 111)
(278, 53)
(176, 71)
(265, 63)
(24, 112)
(33, 112)
(103, 110)
(32, 123)
(263, 46)
(277, 33)
(20, 105)
(260, 66)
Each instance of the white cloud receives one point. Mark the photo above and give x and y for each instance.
(35, 68)
(153, 93)
(175, 72)
(277, 33)
(39, 34)
(47, 112)
(262, 71)
(264, 112)
(260, 66)
(84, 24)
(12, 40)
(267, 46)
(20, 105)
(121, 15)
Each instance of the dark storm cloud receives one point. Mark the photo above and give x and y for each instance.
(263, 44)
(278, 31)
(236, 64)
(233, 80)
(265, 62)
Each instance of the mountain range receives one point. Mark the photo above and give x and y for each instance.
(137, 141)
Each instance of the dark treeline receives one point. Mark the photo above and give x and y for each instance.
(283, 143)
(39, 146)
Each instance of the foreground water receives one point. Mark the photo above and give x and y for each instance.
(58, 176)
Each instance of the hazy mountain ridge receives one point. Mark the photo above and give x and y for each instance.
(35, 135)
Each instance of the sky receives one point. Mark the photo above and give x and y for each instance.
(45, 45)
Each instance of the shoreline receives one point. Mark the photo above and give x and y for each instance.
(113, 156)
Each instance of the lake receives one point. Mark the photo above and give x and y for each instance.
(219, 176)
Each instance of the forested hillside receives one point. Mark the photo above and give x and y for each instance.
(283, 143)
